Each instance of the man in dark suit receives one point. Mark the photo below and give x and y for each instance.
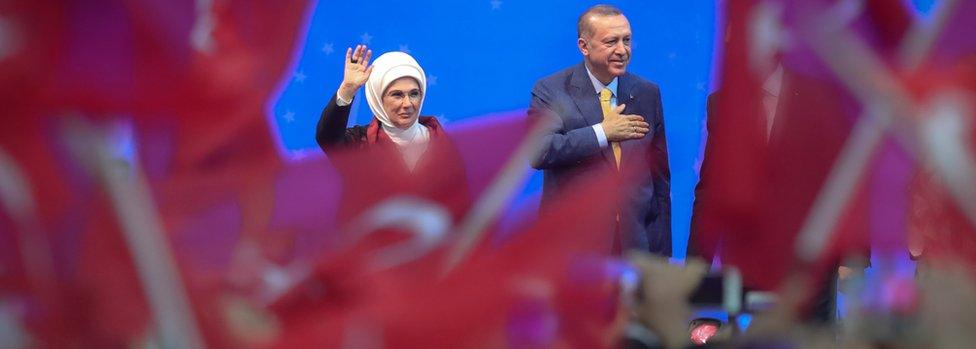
(792, 144)
(608, 117)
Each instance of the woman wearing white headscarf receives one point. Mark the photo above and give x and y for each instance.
(408, 154)
(395, 89)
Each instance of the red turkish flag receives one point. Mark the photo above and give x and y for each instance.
(193, 80)
(540, 288)
(758, 189)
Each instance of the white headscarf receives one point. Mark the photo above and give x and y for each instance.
(388, 67)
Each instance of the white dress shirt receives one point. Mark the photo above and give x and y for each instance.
(342, 102)
(770, 101)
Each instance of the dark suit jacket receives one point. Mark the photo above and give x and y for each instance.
(755, 196)
(571, 148)
(700, 243)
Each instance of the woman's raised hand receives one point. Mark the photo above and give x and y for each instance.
(356, 72)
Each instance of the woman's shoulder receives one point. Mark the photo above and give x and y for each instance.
(373, 127)
(430, 122)
(356, 135)
(358, 130)
(434, 126)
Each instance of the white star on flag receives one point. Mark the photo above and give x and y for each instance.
(327, 48)
(431, 80)
(404, 48)
(496, 5)
(300, 76)
(289, 116)
(366, 38)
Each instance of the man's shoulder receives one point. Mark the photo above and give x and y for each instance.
(642, 84)
(559, 78)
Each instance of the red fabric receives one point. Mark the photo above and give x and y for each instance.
(735, 149)
(760, 195)
(117, 310)
(702, 333)
(939, 230)
(379, 172)
(531, 291)
(200, 117)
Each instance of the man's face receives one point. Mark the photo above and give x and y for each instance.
(607, 47)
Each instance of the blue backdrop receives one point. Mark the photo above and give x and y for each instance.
(483, 56)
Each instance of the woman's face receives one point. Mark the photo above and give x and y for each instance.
(401, 101)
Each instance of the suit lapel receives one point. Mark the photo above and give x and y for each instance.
(625, 95)
(587, 102)
(585, 98)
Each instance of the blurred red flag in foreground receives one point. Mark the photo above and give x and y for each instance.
(764, 176)
(193, 79)
(544, 288)
(857, 83)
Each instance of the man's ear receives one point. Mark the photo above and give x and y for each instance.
(581, 43)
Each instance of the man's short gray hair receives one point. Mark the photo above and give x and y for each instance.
(583, 25)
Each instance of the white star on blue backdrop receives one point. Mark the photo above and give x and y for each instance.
(496, 4)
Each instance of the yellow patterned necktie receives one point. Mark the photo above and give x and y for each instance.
(605, 95)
